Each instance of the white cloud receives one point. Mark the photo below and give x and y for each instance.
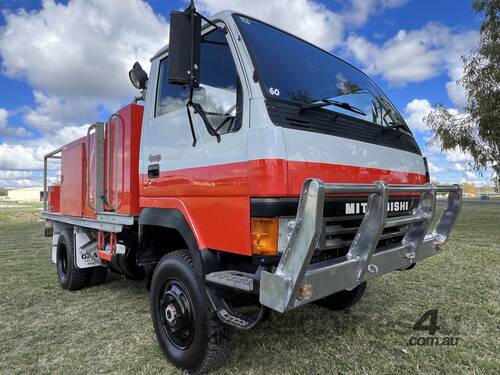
(434, 168)
(77, 56)
(416, 55)
(360, 10)
(309, 19)
(460, 45)
(470, 174)
(457, 155)
(393, 3)
(9, 131)
(458, 167)
(52, 113)
(476, 179)
(415, 111)
(29, 154)
(19, 183)
(84, 48)
(11, 175)
(16, 156)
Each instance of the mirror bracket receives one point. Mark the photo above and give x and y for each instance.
(189, 21)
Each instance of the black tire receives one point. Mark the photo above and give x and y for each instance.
(70, 276)
(97, 276)
(195, 340)
(344, 299)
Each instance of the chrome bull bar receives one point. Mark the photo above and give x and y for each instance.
(296, 282)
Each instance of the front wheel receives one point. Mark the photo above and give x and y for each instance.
(344, 299)
(190, 334)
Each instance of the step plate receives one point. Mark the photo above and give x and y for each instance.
(233, 279)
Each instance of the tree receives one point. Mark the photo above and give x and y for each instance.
(470, 188)
(477, 130)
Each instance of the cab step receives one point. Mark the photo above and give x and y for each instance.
(234, 318)
(238, 280)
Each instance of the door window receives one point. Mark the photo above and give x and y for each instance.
(219, 92)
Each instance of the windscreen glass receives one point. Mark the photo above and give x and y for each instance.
(292, 69)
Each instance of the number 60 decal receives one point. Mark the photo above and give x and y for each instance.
(273, 91)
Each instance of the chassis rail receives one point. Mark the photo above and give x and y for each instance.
(296, 282)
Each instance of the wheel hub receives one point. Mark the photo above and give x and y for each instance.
(177, 314)
(171, 314)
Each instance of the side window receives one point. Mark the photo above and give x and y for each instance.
(219, 92)
(220, 89)
(169, 97)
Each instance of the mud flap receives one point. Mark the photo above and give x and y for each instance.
(55, 240)
(86, 250)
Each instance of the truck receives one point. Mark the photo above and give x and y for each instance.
(260, 174)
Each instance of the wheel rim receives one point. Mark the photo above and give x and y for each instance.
(177, 314)
(63, 260)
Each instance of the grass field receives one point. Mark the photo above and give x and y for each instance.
(107, 329)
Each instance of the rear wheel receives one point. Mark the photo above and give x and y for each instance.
(190, 334)
(344, 299)
(70, 276)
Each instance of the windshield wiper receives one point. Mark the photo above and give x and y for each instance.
(397, 125)
(326, 102)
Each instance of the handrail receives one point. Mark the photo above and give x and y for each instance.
(50, 155)
(99, 172)
(108, 167)
(89, 205)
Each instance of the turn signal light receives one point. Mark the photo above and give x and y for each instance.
(264, 236)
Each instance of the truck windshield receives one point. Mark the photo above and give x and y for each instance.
(292, 69)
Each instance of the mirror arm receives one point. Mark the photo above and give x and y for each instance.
(140, 97)
(197, 107)
(210, 22)
(188, 104)
(193, 10)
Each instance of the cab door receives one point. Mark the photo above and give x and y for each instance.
(172, 164)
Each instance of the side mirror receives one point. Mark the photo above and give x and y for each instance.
(138, 77)
(184, 48)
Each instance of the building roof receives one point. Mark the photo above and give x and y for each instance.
(40, 188)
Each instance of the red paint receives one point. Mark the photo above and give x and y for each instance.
(125, 148)
(72, 179)
(216, 199)
(104, 255)
(299, 171)
(54, 198)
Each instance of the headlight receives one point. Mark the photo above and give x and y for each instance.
(286, 225)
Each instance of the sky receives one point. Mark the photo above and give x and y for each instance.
(64, 64)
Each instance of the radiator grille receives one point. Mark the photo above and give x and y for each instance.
(339, 232)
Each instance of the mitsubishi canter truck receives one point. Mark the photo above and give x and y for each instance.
(260, 171)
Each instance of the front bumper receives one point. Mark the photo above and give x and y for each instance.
(296, 282)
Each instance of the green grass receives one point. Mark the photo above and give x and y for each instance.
(107, 329)
(19, 215)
